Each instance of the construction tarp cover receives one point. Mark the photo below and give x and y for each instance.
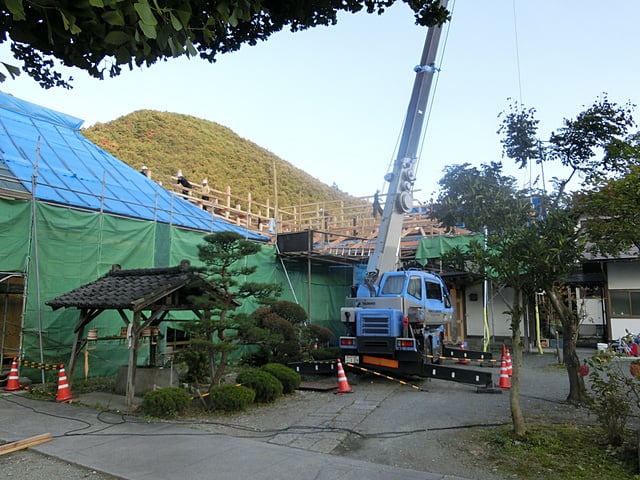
(435, 247)
(46, 152)
(69, 211)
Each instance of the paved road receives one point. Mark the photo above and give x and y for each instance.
(381, 430)
(141, 450)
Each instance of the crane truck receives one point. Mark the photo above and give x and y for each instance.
(395, 319)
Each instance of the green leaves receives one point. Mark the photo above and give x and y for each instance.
(146, 15)
(114, 17)
(147, 22)
(117, 37)
(11, 69)
(69, 22)
(175, 22)
(519, 128)
(140, 32)
(16, 8)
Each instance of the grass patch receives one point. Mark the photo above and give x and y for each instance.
(561, 452)
(49, 390)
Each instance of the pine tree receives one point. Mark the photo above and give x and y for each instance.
(219, 330)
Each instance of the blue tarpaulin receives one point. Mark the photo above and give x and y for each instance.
(46, 155)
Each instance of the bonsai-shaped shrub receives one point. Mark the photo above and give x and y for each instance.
(290, 379)
(166, 402)
(230, 398)
(277, 333)
(292, 312)
(278, 325)
(267, 387)
(322, 334)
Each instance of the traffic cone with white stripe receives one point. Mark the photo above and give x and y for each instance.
(13, 380)
(463, 360)
(505, 381)
(64, 392)
(509, 364)
(343, 383)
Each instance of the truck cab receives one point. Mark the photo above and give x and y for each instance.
(397, 326)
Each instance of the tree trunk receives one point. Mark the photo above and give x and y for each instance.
(519, 425)
(569, 320)
(217, 378)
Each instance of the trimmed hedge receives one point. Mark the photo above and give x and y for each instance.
(290, 379)
(326, 353)
(166, 402)
(230, 398)
(267, 387)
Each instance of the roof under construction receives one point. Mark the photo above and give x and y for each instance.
(45, 156)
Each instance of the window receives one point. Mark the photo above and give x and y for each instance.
(625, 303)
(433, 291)
(393, 285)
(414, 289)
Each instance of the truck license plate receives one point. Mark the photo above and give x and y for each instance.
(355, 359)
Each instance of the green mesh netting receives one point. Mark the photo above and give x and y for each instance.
(58, 249)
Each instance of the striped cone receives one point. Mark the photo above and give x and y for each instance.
(343, 383)
(463, 360)
(509, 364)
(64, 392)
(505, 382)
(13, 380)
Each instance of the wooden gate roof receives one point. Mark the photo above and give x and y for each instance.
(137, 290)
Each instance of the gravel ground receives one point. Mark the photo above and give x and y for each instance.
(29, 465)
(431, 430)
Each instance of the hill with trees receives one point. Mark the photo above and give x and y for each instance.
(168, 142)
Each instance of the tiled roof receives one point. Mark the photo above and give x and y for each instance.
(128, 289)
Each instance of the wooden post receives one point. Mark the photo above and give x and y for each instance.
(133, 359)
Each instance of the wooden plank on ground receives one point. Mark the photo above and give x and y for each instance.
(26, 443)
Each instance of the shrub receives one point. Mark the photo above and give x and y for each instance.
(230, 398)
(278, 325)
(290, 311)
(267, 387)
(165, 402)
(94, 384)
(613, 394)
(326, 353)
(288, 351)
(261, 356)
(290, 380)
(196, 361)
(324, 335)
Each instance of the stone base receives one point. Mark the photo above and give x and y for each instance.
(147, 379)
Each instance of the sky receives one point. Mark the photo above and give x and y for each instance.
(332, 100)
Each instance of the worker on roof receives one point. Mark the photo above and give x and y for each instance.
(182, 180)
(204, 192)
(145, 171)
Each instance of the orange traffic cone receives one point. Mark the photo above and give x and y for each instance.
(463, 360)
(13, 380)
(343, 383)
(64, 392)
(505, 382)
(509, 364)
